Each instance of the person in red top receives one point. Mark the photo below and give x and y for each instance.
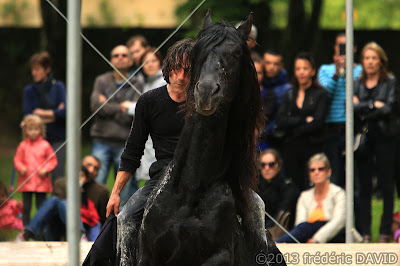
(34, 160)
(9, 211)
(50, 220)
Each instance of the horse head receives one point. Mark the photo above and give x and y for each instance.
(217, 59)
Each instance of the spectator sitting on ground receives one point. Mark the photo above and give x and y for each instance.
(321, 210)
(51, 217)
(279, 195)
(10, 212)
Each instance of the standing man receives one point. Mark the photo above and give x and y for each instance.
(276, 84)
(158, 113)
(137, 46)
(333, 78)
(112, 124)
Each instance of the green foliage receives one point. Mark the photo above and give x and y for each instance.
(107, 13)
(368, 14)
(14, 9)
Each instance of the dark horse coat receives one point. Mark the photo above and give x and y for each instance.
(192, 215)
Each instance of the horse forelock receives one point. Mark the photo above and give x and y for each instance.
(207, 40)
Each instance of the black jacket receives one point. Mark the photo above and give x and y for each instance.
(384, 92)
(292, 120)
(278, 195)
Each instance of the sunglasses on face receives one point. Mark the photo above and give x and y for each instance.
(117, 55)
(320, 169)
(270, 164)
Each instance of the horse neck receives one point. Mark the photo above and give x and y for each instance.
(201, 153)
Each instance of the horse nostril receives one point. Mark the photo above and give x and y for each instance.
(216, 90)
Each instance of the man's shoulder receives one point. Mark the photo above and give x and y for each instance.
(105, 76)
(154, 94)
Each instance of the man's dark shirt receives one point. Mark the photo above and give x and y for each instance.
(161, 117)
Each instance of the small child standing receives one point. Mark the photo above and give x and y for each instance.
(9, 211)
(32, 152)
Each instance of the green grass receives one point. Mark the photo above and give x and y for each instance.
(6, 163)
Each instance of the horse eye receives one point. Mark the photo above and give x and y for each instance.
(237, 54)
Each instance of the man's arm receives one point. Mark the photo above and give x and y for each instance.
(114, 201)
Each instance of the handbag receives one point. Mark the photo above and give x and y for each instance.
(360, 139)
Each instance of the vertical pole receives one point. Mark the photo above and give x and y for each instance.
(74, 54)
(349, 121)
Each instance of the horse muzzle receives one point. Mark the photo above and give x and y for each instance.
(207, 96)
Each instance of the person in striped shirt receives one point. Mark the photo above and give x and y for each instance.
(332, 77)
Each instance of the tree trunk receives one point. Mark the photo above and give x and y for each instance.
(53, 35)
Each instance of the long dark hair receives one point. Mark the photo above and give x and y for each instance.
(245, 115)
(178, 56)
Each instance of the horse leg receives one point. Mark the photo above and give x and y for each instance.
(128, 226)
(256, 218)
(127, 234)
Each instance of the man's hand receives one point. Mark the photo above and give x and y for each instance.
(102, 98)
(309, 119)
(310, 240)
(47, 115)
(379, 104)
(125, 105)
(113, 204)
(356, 100)
(339, 61)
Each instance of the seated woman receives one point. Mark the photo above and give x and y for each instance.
(302, 116)
(321, 210)
(279, 195)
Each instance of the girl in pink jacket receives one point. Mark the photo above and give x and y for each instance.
(29, 161)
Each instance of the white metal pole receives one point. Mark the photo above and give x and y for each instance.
(349, 121)
(74, 77)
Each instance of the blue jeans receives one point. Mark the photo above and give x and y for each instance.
(47, 219)
(107, 155)
(302, 232)
(51, 219)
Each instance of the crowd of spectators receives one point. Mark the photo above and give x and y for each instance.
(305, 120)
(307, 117)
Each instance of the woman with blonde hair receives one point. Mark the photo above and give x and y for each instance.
(374, 98)
(321, 210)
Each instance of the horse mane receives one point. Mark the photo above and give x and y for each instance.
(245, 115)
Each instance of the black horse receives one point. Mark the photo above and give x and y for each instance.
(203, 211)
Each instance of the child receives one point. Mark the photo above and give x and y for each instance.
(32, 152)
(9, 211)
(51, 217)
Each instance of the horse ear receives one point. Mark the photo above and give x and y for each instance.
(207, 22)
(245, 27)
